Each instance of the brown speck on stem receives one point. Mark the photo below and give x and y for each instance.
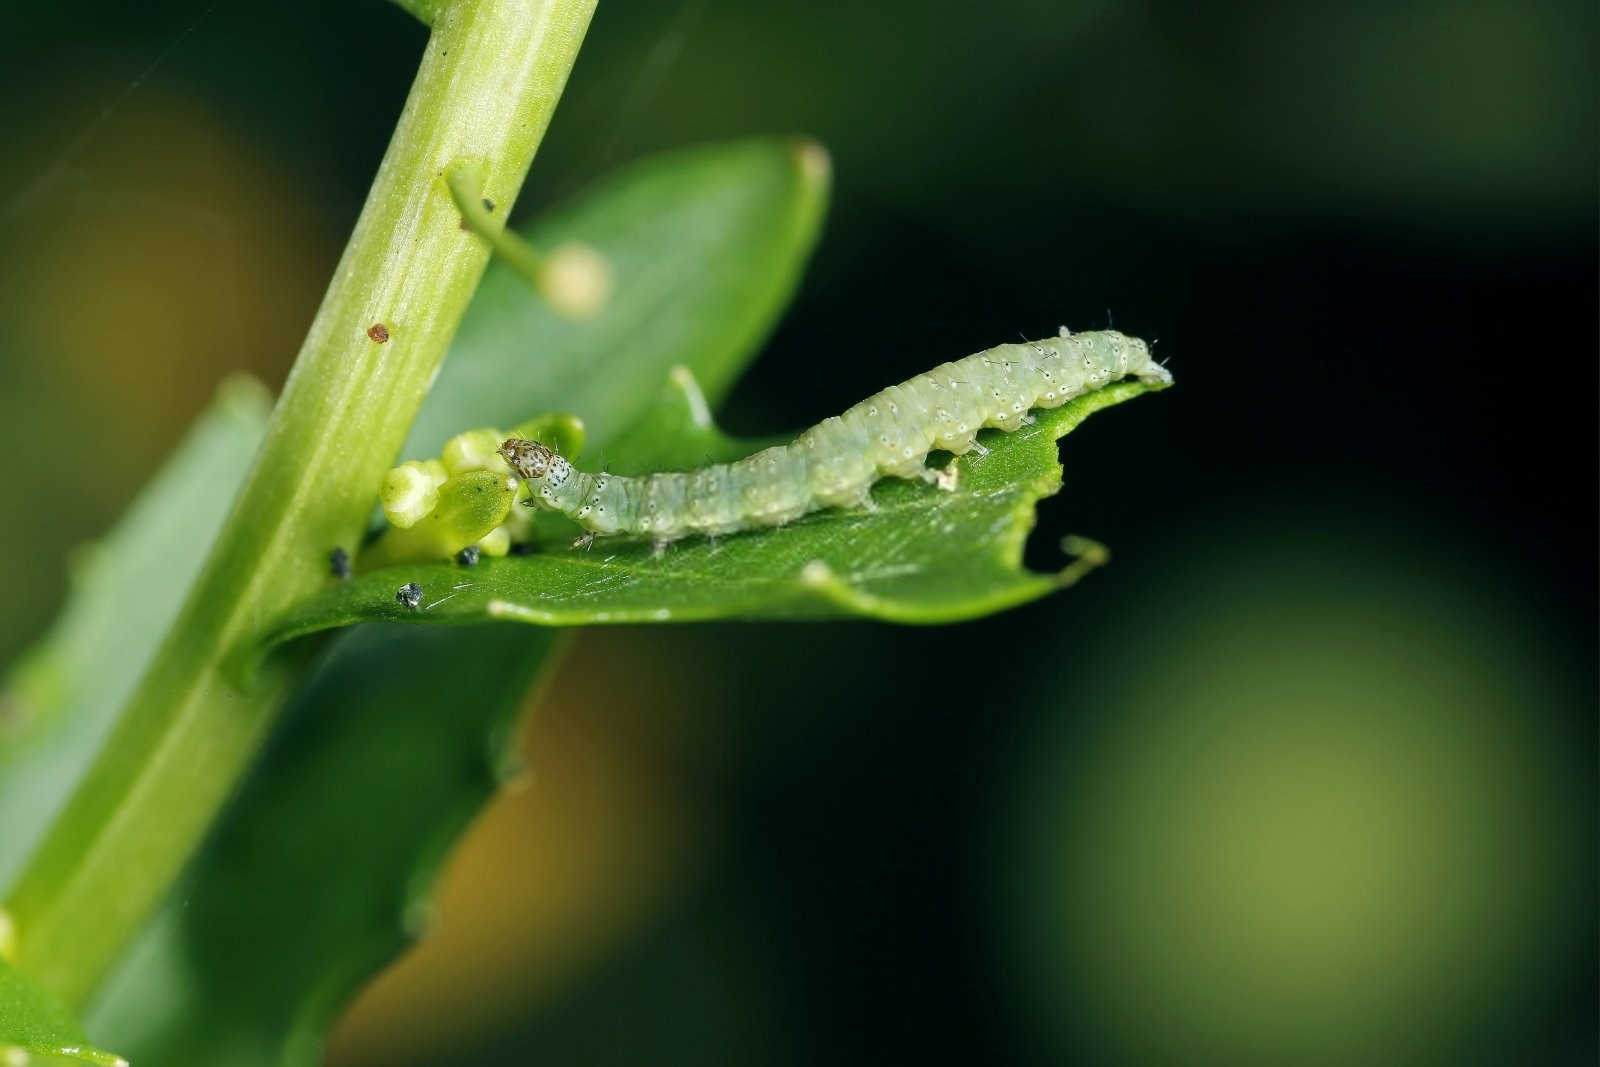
(488, 205)
(378, 332)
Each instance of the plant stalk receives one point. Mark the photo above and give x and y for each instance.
(489, 81)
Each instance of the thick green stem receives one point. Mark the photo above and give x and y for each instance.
(488, 83)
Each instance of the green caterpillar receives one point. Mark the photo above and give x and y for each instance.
(836, 462)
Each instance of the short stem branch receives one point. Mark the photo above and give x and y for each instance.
(466, 184)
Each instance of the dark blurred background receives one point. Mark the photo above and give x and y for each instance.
(1308, 775)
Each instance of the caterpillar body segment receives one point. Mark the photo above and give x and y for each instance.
(836, 462)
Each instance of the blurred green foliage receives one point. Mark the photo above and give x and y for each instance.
(1332, 820)
(62, 697)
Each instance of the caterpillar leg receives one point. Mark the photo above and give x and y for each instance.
(584, 542)
(944, 477)
(658, 548)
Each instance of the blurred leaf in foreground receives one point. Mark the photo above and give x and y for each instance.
(61, 699)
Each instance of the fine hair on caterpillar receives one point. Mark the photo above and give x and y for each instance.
(836, 462)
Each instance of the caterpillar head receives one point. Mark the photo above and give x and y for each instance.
(533, 461)
(1112, 354)
(1140, 361)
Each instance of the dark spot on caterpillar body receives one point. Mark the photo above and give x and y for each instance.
(488, 205)
(836, 462)
(409, 595)
(378, 332)
(339, 563)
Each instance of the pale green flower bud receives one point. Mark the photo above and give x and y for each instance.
(411, 491)
(468, 508)
(475, 450)
(496, 542)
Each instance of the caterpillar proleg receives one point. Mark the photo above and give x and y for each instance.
(836, 462)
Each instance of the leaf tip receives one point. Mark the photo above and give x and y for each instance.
(816, 166)
(243, 397)
(1088, 555)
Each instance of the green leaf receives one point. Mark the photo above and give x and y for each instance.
(61, 699)
(678, 431)
(922, 555)
(318, 874)
(33, 1022)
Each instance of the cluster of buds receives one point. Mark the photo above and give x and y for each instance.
(467, 498)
